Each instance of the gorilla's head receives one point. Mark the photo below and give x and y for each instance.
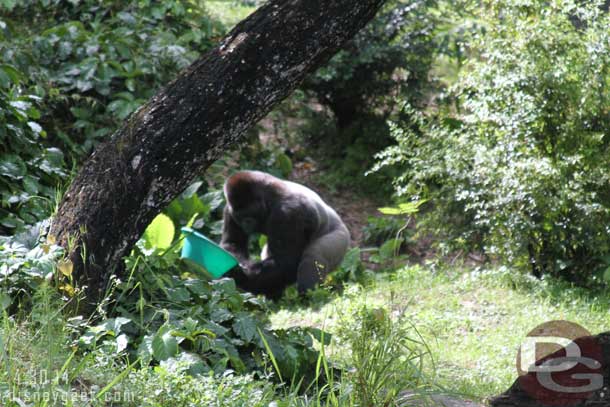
(249, 217)
(246, 199)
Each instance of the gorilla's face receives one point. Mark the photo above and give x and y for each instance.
(249, 218)
(246, 201)
(249, 225)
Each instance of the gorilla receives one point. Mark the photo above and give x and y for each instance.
(306, 239)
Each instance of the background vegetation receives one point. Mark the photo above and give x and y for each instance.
(480, 127)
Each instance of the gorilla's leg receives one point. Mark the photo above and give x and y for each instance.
(321, 257)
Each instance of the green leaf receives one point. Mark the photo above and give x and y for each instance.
(130, 84)
(607, 275)
(31, 185)
(225, 285)
(160, 233)
(213, 199)
(36, 128)
(34, 113)
(320, 335)
(284, 163)
(81, 113)
(5, 80)
(164, 344)
(390, 248)
(5, 300)
(262, 241)
(55, 156)
(390, 211)
(192, 189)
(351, 262)
(111, 326)
(145, 350)
(14, 75)
(410, 208)
(407, 208)
(7, 4)
(220, 314)
(226, 348)
(186, 361)
(178, 294)
(245, 326)
(121, 108)
(193, 205)
(12, 166)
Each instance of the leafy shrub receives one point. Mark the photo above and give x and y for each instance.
(25, 266)
(167, 313)
(95, 63)
(522, 169)
(79, 68)
(29, 171)
(391, 56)
(381, 228)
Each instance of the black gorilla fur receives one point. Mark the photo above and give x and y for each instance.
(306, 239)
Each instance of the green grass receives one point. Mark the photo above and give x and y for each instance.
(473, 321)
(470, 321)
(229, 12)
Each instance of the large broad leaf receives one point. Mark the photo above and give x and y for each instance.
(351, 262)
(245, 326)
(192, 189)
(145, 350)
(160, 233)
(320, 335)
(164, 344)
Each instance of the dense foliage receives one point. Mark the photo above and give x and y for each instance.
(72, 72)
(519, 165)
(388, 60)
(29, 171)
(391, 56)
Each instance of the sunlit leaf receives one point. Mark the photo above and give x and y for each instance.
(65, 267)
(68, 289)
(160, 233)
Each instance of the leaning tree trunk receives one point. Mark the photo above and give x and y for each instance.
(174, 137)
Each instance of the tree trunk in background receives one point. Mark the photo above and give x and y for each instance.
(163, 146)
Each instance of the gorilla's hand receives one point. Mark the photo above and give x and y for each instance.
(238, 274)
(255, 269)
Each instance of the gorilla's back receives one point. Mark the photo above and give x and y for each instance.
(327, 218)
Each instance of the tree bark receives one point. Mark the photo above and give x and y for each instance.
(186, 126)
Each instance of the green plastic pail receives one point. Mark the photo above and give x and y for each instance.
(207, 254)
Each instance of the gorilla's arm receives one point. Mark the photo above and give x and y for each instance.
(286, 242)
(234, 239)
